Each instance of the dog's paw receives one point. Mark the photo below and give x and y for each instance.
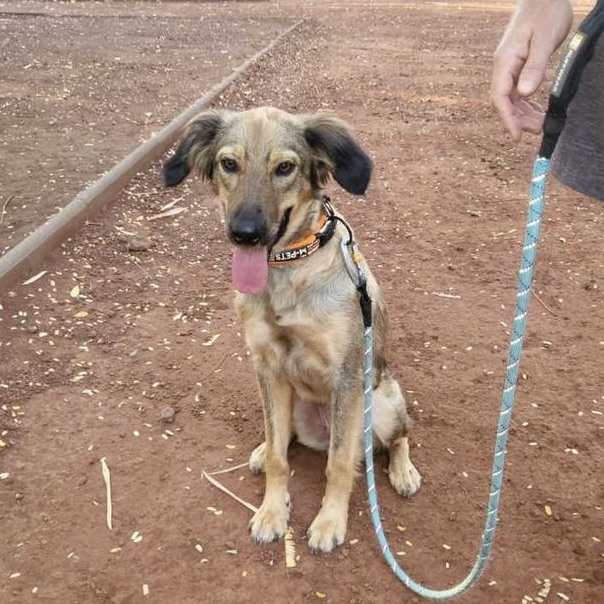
(405, 479)
(256, 462)
(327, 531)
(270, 521)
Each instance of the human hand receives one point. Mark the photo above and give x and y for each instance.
(535, 31)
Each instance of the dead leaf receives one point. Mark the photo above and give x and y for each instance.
(211, 340)
(34, 278)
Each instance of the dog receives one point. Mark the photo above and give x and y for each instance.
(298, 303)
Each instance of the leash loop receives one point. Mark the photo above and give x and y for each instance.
(525, 275)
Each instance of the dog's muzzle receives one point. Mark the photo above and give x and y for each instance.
(247, 226)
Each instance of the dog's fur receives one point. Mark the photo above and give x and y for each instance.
(305, 330)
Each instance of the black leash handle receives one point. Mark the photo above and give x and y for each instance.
(579, 53)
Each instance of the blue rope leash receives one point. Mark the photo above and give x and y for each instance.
(525, 278)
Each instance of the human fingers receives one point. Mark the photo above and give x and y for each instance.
(533, 71)
(504, 94)
(529, 115)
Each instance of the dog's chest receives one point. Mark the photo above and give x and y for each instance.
(306, 355)
(293, 346)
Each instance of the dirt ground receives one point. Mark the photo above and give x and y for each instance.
(109, 345)
(83, 84)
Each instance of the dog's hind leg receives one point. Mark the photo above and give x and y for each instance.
(257, 459)
(391, 425)
(270, 521)
(403, 475)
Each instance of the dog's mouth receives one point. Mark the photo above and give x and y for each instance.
(249, 265)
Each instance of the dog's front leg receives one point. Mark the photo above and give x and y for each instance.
(328, 529)
(270, 521)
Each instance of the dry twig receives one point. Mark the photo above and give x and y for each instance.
(207, 375)
(107, 479)
(222, 488)
(543, 303)
(231, 469)
(8, 199)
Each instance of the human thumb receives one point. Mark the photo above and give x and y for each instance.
(531, 77)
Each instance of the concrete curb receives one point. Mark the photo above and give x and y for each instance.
(35, 248)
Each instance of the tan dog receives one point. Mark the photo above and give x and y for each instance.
(297, 302)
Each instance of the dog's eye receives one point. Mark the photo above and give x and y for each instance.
(229, 164)
(285, 168)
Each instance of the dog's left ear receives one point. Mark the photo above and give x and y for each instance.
(195, 150)
(332, 139)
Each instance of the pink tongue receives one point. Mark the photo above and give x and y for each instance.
(249, 269)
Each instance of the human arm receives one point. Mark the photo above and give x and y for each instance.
(536, 29)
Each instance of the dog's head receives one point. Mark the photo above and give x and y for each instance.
(267, 167)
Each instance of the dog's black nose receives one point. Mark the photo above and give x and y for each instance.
(247, 226)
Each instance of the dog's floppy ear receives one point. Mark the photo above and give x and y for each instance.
(338, 152)
(196, 150)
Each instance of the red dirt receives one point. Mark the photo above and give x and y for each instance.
(94, 351)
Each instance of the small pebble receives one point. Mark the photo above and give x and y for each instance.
(167, 415)
(139, 244)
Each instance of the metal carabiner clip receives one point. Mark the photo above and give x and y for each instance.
(352, 261)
